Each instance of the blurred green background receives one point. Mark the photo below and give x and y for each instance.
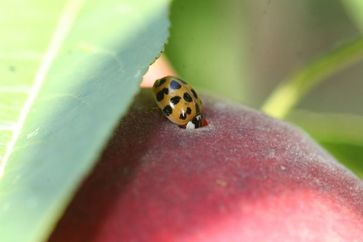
(244, 49)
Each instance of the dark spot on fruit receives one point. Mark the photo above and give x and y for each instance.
(187, 97)
(167, 110)
(194, 93)
(189, 110)
(183, 116)
(174, 85)
(175, 100)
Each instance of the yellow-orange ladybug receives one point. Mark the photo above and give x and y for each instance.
(178, 102)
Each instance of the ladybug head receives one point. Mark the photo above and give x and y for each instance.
(197, 122)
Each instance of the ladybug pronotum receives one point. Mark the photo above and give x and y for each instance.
(178, 102)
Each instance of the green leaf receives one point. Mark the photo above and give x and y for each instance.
(68, 70)
(293, 89)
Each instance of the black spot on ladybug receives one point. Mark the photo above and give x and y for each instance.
(187, 97)
(183, 116)
(189, 110)
(194, 93)
(160, 94)
(175, 100)
(174, 85)
(160, 82)
(197, 109)
(167, 110)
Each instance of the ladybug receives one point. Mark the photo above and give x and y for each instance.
(178, 102)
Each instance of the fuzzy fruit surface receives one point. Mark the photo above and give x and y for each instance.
(244, 177)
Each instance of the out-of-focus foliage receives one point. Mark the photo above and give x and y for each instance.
(244, 49)
(292, 90)
(349, 154)
(354, 9)
(207, 45)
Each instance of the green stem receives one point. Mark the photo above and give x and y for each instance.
(291, 91)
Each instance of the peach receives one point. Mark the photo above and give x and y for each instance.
(244, 177)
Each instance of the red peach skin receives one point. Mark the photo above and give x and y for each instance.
(246, 177)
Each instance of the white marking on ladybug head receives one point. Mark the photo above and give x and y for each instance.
(190, 125)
